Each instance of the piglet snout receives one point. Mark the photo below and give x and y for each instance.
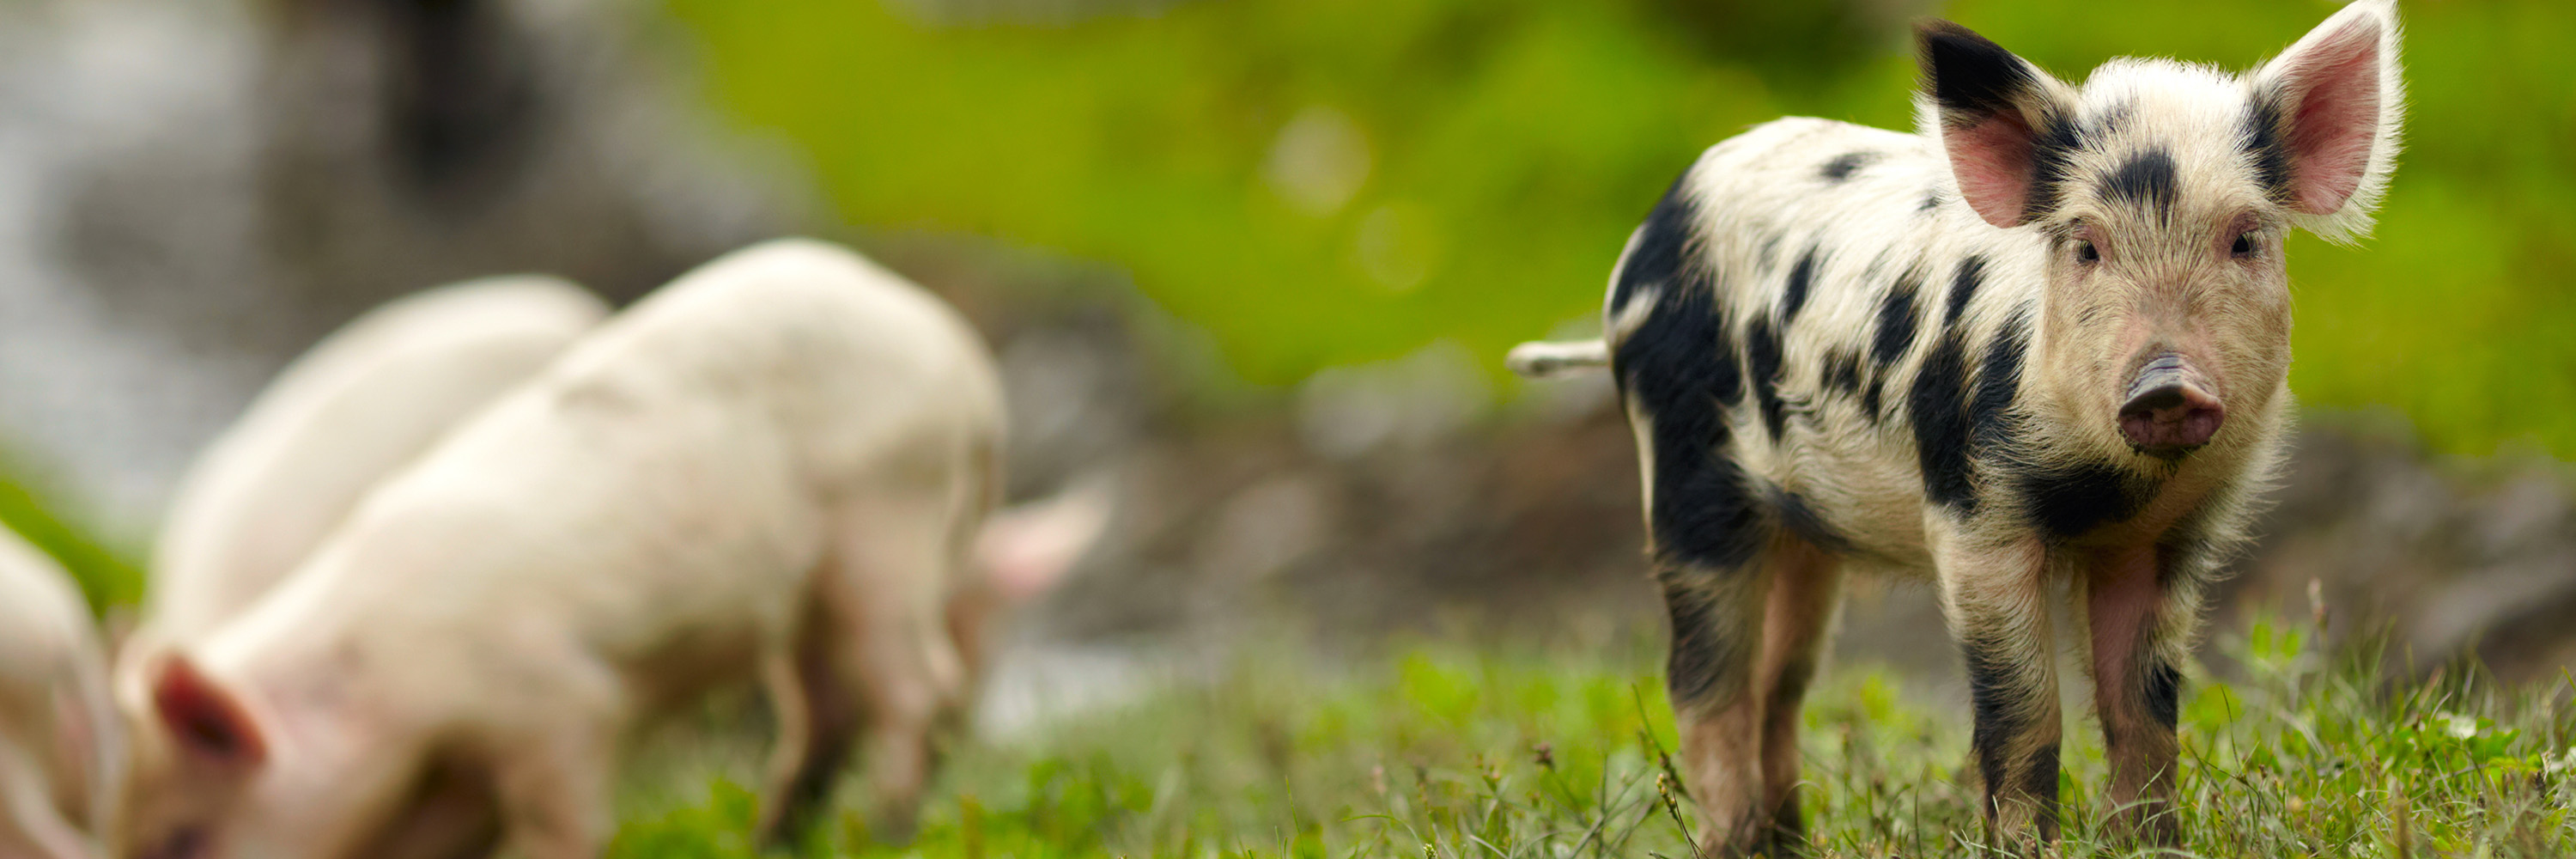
(2169, 411)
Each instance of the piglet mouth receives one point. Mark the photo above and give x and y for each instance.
(2170, 411)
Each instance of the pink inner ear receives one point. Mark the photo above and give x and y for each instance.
(2337, 120)
(1992, 162)
(203, 718)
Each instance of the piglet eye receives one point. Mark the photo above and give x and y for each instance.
(2244, 246)
(2085, 252)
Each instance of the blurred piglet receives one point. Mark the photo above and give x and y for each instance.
(57, 732)
(362, 403)
(775, 467)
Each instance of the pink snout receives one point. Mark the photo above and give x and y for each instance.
(2170, 411)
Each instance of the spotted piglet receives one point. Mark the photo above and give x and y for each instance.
(2043, 340)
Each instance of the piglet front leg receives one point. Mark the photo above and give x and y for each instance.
(2140, 622)
(1996, 603)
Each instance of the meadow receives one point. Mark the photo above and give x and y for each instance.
(1440, 750)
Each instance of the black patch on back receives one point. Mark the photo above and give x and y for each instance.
(1990, 415)
(1802, 277)
(2146, 179)
(1662, 249)
(1968, 74)
(1680, 367)
(1939, 407)
(1844, 165)
(2266, 145)
(2161, 692)
(1897, 317)
(1762, 365)
(1842, 372)
(1800, 518)
(2068, 502)
(1872, 395)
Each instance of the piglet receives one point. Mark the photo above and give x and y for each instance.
(58, 750)
(356, 407)
(774, 467)
(2041, 343)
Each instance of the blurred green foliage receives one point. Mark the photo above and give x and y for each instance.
(105, 577)
(1320, 182)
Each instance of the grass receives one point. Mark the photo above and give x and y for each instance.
(1448, 752)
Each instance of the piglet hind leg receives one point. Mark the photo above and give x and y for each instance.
(1797, 619)
(1995, 599)
(1744, 646)
(2140, 621)
(894, 559)
(555, 795)
(817, 720)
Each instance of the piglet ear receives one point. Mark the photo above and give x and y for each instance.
(1025, 550)
(2325, 119)
(2000, 119)
(204, 717)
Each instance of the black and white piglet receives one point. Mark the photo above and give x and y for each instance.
(2044, 340)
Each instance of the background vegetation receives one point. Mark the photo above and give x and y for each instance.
(1320, 182)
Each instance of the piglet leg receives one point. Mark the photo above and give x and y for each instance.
(1996, 604)
(2138, 633)
(899, 552)
(555, 791)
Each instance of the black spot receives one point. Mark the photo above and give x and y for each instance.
(2068, 502)
(1680, 368)
(1897, 318)
(1872, 395)
(1846, 164)
(1800, 518)
(1762, 365)
(2115, 118)
(1661, 251)
(1802, 277)
(1963, 286)
(2267, 145)
(2147, 179)
(2052, 152)
(1939, 407)
(1998, 700)
(1768, 254)
(1931, 202)
(1842, 372)
(1990, 411)
(1705, 651)
(1970, 76)
(2162, 694)
(2039, 780)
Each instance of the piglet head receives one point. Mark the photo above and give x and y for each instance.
(2163, 193)
(194, 749)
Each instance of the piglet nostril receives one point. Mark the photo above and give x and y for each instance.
(2171, 420)
(2168, 412)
